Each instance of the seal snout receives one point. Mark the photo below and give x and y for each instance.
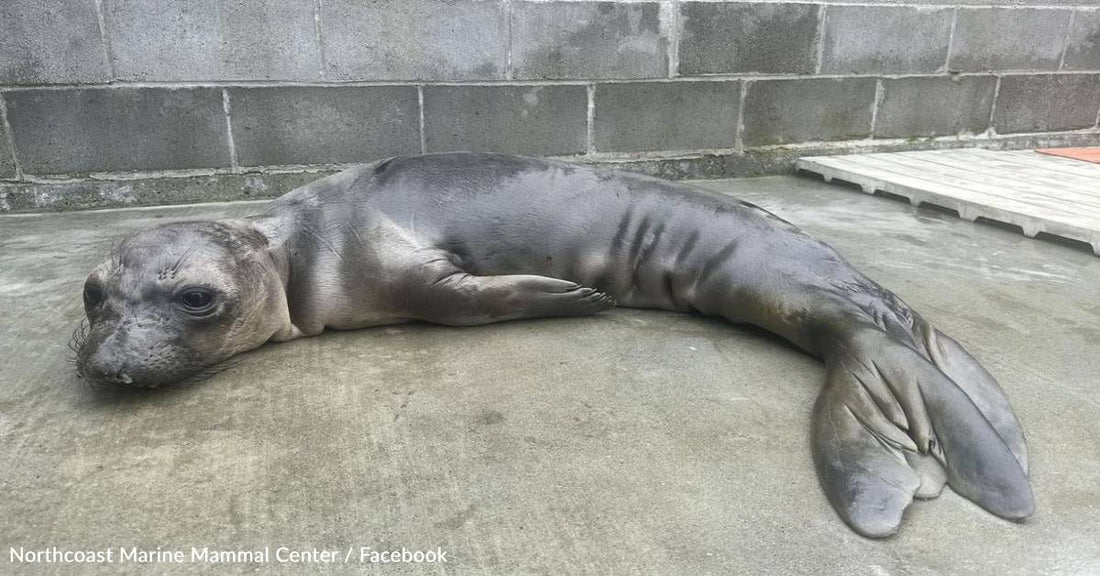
(99, 366)
(108, 363)
(119, 353)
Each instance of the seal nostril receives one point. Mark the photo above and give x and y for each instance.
(95, 371)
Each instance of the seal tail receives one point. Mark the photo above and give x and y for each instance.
(894, 422)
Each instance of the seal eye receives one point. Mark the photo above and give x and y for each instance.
(93, 295)
(197, 300)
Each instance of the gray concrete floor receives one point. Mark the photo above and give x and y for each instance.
(634, 442)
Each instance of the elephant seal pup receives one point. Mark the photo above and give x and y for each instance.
(466, 239)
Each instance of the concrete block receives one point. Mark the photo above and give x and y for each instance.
(118, 129)
(666, 116)
(1083, 43)
(7, 165)
(588, 40)
(1008, 39)
(213, 40)
(414, 40)
(885, 39)
(96, 194)
(537, 120)
(916, 107)
(323, 125)
(785, 111)
(1047, 102)
(55, 42)
(754, 37)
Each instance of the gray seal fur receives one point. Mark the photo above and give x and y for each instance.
(466, 239)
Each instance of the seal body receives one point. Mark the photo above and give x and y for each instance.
(465, 239)
(369, 238)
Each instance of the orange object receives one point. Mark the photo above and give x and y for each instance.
(1091, 154)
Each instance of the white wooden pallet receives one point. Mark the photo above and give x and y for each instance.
(1037, 192)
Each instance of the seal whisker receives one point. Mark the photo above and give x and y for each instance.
(76, 344)
(182, 258)
(209, 372)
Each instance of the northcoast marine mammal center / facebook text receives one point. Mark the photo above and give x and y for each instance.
(194, 554)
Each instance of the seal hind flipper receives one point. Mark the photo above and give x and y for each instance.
(980, 465)
(974, 380)
(861, 468)
(869, 478)
(931, 473)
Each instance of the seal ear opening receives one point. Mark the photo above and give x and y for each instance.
(872, 461)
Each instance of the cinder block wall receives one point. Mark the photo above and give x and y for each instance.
(115, 102)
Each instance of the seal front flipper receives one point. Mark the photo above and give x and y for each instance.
(868, 475)
(456, 298)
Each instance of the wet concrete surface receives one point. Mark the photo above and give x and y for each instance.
(634, 442)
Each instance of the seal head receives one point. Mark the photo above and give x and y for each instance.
(174, 300)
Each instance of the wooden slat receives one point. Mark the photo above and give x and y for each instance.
(1031, 159)
(1062, 199)
(1015, 175)
(921, 187)
(1035, 192)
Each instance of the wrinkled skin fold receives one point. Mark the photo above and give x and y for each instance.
(465, 239)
